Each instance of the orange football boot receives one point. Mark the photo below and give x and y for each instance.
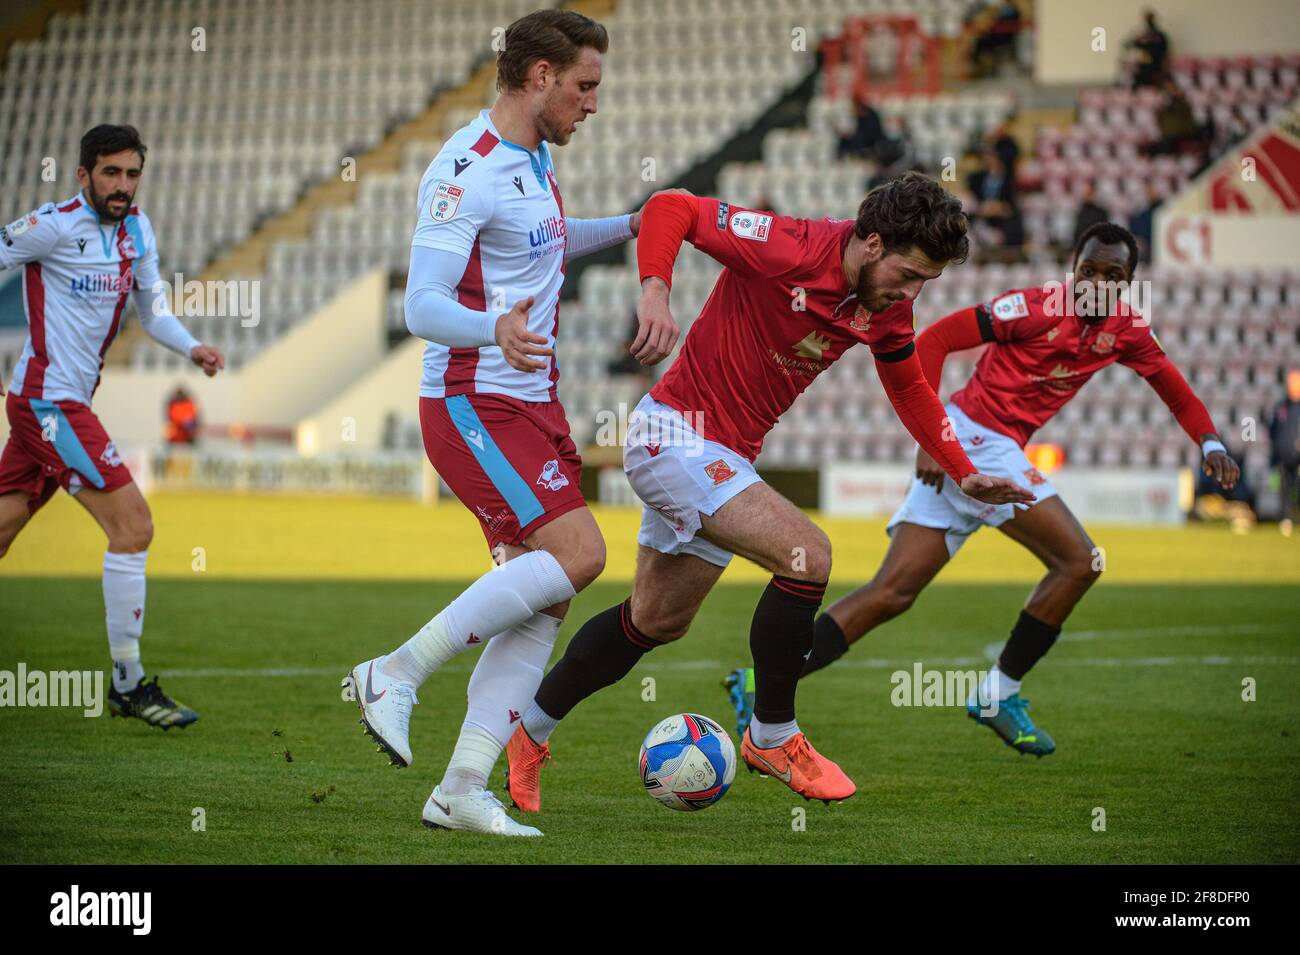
(799, 766)
(524, 762)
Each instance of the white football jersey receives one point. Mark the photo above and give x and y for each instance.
(78, 275)
(497, 205)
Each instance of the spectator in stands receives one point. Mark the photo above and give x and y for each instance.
(996, 211)
(1142, 223)
(894, 153)
(1149, 53)
(1090, 213)
(999, 138)
(1284, 448)
(867, 130)
(1179, 131)
(994, 26)
(182, 419)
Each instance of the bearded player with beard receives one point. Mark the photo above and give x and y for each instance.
(83, 258)
(794, 295)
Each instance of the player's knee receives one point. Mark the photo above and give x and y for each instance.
(660, 621)
(812, 561)
(132, 537)
(585, 563)
(1082, 567)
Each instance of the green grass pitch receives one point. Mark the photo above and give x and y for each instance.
(1143, 694)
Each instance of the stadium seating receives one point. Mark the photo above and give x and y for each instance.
(239, 131)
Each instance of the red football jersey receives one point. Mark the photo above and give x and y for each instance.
(779, 315)
(1040, 357)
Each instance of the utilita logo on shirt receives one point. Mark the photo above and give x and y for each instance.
(103, 282)
(548, 230)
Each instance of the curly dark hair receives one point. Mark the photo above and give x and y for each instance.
(914, 211)
(1108, 233)
(557, 36)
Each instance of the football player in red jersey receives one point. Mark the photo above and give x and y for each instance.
(1041, 351)
(794, 295)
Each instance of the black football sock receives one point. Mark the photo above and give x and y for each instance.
(1030, 640)
(602, 652)
(829, 644)
(780, 639)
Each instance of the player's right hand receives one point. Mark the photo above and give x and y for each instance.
(517, 342)
(995, 490)
(657, 330)
(928, 470)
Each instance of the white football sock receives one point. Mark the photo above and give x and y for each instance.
(124, 616)
(508, 674)
(996, 685)
(538, 725)
(770, 735)
(471, 761)
(502, 598)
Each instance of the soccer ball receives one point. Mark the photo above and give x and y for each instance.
(687, 762)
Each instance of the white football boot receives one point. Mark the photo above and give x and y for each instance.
(477, 811)
(385, 708)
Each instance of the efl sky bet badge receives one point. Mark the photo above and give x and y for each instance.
(1011, 306)
(446, 200)
(751, 225)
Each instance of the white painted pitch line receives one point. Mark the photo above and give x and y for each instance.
(993, 650)
(677, 666)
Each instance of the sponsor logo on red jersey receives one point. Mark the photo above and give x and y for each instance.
(719, 471)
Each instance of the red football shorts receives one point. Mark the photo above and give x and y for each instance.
(511, 462)
(53, 444)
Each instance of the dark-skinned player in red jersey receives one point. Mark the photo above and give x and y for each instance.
(794, 295)
(1040, 353)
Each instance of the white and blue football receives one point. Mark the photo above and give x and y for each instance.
(687, 762)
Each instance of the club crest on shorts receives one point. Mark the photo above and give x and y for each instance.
(719, 471)
(552, 478)
(1034, 476)
(110, 456)
(446, 200)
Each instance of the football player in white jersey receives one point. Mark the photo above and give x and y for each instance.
(83, 258)
(487, 263)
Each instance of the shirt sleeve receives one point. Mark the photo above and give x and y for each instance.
(150, 297)
(757, 244)
(1009, 317)
(432, 311)
(452, 214)
(584, 236)
(892, 334)
(921, 412)
(29, 238)
(1141, 350)
(959, 331)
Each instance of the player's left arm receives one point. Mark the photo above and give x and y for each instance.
(1149, 360)
(585, 236)
(150, 298)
